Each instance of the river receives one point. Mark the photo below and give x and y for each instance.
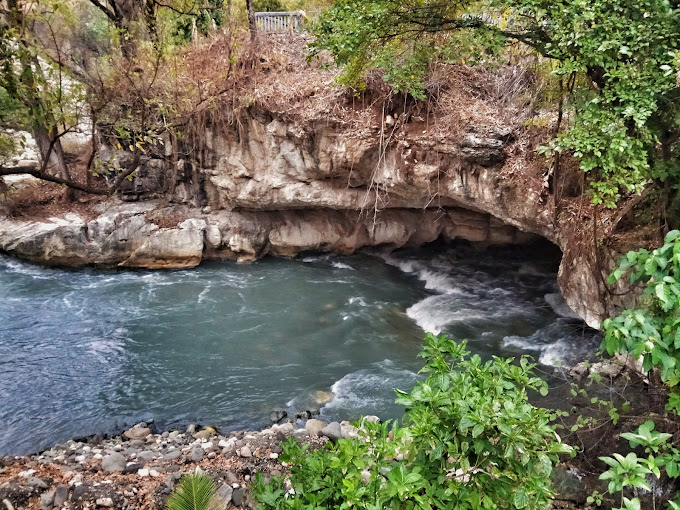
(92, 351)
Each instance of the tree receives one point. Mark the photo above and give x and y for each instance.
(626, 122)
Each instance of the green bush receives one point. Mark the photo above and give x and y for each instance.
(470, 440)
(652, 332)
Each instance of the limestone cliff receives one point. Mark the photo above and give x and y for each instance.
(267, 180)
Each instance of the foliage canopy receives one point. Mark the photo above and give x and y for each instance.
(625, 122)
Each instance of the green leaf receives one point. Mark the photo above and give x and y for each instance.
(194, 492)
(520, 499)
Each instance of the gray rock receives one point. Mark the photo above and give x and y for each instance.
(314, 427)
(81, 492)
(60, 495)
(370, 418)
(113, 462)
(222, 497)
(47, 500)
(568, 485)
(560, 306)
(146, 455)
(348, 430)
(237, 496)
(191, 429)
(105, 502)
(608, 368)
(245, 452)
(133, 468)
(332, 431)
(231, 477)
(172, 455)
(196, 454)
(170, 481)
(284, 431)
(278, 415)
(36, 483)
(137, 432)
(203, 434)
(579, 370)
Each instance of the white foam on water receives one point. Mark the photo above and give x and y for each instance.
(342, 265)
(357, 300)
(203, 294)
(555, 344)
(18, 267)
(367, 388)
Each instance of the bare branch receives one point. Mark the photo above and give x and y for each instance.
(34, 170)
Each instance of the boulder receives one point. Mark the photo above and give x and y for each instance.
(137, 433)
(222, 497)
(278, 415)
(113, 462)
(314, 427)
(332, 431)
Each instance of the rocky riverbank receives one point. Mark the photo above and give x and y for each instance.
(140, 468)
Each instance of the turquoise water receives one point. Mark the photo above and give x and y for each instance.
(92, 351)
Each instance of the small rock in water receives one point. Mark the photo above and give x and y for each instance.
(278, 415)
(196, 454)
(322, 397)
(560, 306)
(304, 415)
(113, 462)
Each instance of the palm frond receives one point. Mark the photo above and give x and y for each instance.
(194, 492)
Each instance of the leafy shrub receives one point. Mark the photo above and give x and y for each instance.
(471, 440)
(653, 332)
(632, 471)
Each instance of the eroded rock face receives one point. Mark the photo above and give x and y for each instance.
(124, 235)
(267, 185)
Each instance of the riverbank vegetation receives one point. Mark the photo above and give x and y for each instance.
(469, 440)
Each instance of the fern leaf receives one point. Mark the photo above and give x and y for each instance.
(194, 492)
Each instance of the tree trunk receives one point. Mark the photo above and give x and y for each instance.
(52, 156)
(251, 20)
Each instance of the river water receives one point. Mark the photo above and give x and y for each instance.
(93, 351)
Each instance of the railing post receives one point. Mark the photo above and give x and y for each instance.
(279, 22)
